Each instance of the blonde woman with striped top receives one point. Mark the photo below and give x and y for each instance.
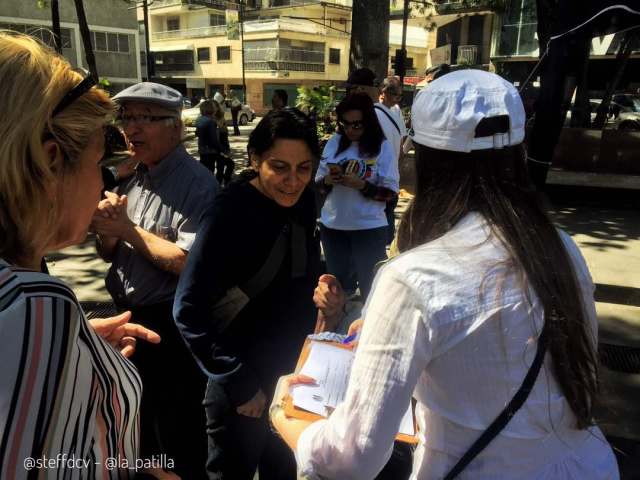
(69, 398)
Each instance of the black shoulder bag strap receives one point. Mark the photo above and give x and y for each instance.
(505, 416)
(380, 109)
(270, 268)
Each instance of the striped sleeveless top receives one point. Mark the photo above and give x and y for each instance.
(69, 402)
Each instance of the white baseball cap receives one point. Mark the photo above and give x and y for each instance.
(446, 114)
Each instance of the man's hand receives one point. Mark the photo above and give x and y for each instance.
(329, 298)
(111, 219)
(122, 335)
(254, 407)
(112, 205)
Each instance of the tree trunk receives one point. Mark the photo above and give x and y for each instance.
(86, 39)
(370, 36)
(622, 58)
(581, 111)
(55, 21)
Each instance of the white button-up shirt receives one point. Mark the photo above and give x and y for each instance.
(450, 324)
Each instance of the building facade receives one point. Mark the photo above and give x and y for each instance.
(197, 46)
(114, 35)
(515, 50)
(287, 43)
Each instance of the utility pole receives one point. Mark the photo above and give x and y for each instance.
(241, 18)
(55, 20)
(150, 64)
(402, 62)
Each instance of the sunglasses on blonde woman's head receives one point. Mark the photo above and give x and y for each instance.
(76, 92)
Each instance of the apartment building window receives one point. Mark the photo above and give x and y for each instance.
(173, 23)
(39, 32)
(334, 56)
(110, 42)
(223, 54)
(216, 19)
(204, 54)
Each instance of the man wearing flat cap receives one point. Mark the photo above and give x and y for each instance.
(145, 230)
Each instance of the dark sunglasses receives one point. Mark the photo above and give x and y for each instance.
(76, 92)
(357, 125)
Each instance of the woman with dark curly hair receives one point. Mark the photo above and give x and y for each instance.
(258, 242)
(358, 173)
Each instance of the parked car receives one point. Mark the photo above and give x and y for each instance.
(245, 116)
(624, 112)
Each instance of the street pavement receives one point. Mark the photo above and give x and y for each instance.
(605, 223)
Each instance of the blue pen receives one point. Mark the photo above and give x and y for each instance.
(350, 338)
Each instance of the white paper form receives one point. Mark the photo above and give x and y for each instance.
(330, 366)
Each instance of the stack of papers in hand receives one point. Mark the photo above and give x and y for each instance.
(330, 366)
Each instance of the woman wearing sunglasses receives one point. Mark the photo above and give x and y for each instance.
(358, 173)
(69, 398)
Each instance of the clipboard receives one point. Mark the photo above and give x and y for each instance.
(290, 410)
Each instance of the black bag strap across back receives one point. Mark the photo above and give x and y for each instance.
(505, 416)
(270, 268)
(377, 107)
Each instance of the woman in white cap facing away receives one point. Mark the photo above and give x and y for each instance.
(486, 318)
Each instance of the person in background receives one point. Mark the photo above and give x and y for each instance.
(235, 105)
(146, 230)
(392, 123)
(280, 99)
(213, 141)
(363, 80)
(485, 293)
(358, 174)
(437, 71)
(263, 222)
(66, 388)
(219, 97)
(224, 162)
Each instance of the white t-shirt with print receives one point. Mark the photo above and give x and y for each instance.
(346, 208)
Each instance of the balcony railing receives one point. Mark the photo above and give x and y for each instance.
(284, 54)
(220, 4)
(293, 59)
(444, 7)
(214, 31)
(174, 67)
(468, 55)
(293, 3)
(254, 26)
(276, 66)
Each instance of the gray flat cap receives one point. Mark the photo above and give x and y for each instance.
(152, 93)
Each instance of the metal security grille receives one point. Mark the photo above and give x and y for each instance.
(619, 358)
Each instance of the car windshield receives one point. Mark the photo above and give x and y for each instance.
(635, 104)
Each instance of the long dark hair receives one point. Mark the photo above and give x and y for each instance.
(288, 123)
(373, 136)
(495, 183)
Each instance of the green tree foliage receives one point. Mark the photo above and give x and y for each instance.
(319, 101)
